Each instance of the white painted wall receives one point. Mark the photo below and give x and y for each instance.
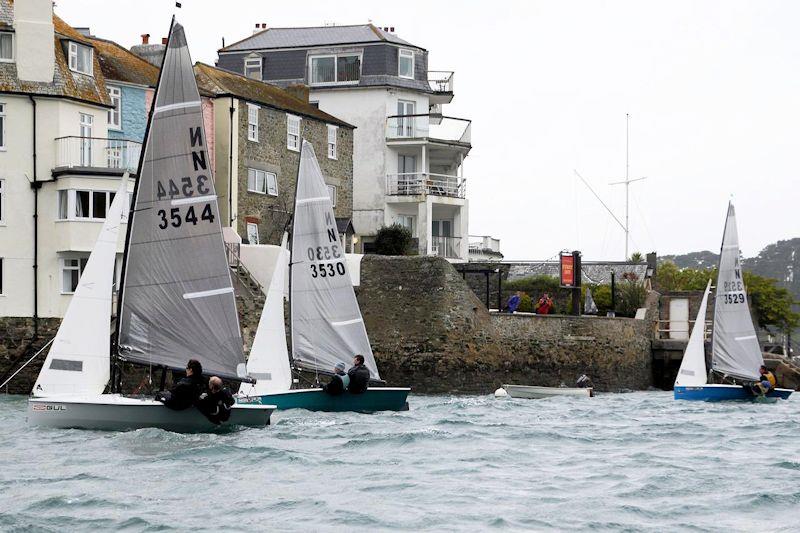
(33, 40)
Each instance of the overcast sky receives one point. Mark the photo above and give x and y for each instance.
(712, 89)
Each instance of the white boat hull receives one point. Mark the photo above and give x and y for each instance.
(113, 412)
(534, 393)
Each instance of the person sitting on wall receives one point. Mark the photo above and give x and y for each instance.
(216, 402)
(766, 382)
(513, 302)
(187, 390)
(359, 376)
(339, 382)
(545, 305)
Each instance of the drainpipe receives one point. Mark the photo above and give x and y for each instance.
(35, 185)
(230, 169)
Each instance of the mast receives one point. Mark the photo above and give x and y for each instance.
(115, 357)
(289, 244)
(627, 182)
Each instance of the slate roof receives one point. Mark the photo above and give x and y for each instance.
(6, 13)
(314, 36)
(120, 64)
(217, 82)
(65, 83)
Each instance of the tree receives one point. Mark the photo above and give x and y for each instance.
(637, 257)
(393, 240)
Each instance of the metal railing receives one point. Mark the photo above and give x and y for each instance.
(413, 183)
(446, 246)
(427, 126)
(232, 250)
(664, 330)
(441, 81)
(479, 243)
(97, 152)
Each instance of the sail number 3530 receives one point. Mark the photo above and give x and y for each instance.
(325, 269)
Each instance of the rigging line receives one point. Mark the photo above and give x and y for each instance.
(27, 363)
(621, 225)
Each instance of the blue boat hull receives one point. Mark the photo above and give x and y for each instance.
(723, 393)
(373, 400)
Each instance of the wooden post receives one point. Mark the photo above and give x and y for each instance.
(576, 289)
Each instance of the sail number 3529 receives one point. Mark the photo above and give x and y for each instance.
(734, 298)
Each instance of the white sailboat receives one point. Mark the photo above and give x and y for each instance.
(176, 300)
(326, 322)
(736, 354)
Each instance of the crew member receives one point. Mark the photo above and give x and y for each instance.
(216, 402)
(767, 381)
(359, 376)
(339, 381)
(185, 392)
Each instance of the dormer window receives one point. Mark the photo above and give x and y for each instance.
(80, 58)
(337, 68)
(6, 47)
(405, 64)
(252, 68)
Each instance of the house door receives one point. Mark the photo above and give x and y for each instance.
(86, 140)
(679, 318)
(442, 233)
(407, 174)
(405, 126)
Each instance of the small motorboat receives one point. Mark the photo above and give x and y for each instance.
(533, 392)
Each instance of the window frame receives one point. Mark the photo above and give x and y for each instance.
(333, 147)
(257, 173)
(2, 201)
(293, 140)
(117, 107)
(13, 47)
(3, 126)
(73, 49)
(335, 194)
(248, 226)
(248, 63)
(252, 126)
(335, 57)
(405, 52)
(64, 268)
(71, 205)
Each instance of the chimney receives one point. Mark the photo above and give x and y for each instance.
(299, 91)
(164, 40)
(33, 24)
(145, 38)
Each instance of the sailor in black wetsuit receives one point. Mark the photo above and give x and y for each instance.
(185, 392)
(339, 382)
(216, 402)
(359, 376)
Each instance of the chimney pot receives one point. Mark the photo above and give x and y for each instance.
(391, 29)
(164, 40)
(145, 38)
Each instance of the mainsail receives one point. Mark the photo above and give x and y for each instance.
(79, 360)
(327, 326)
(736, 351)
(692, 372)
(177, 298)
(268, 363)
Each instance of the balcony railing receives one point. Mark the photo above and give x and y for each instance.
(97, 152)
(446, 247)
(441, 81)
(413, 183)
(481, 243)
(437, 127)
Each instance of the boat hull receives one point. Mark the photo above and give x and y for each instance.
(723, 393)
(373, 400)
(532, 392)
(112, 412)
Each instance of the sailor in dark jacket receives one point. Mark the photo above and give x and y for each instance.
(359, 376)
(339, 382)
(185, 392)
(216, 402)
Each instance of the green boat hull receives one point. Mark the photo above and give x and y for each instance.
(373, 400)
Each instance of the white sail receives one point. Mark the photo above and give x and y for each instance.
(735, 351)
(327, 326)
(268, 363)
(692, 372)
(80, 358)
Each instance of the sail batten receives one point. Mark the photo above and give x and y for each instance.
(326, 322)
(178, 300)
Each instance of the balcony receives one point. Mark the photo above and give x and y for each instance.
(441, 83)
(95, 153)
(417, 183)
(429, 127)
(448, 247)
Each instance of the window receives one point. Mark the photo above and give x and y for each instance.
(115, 115)
(6, 47)
(80, 58)
(2, 126)
(293, 132)
(2, 201)
(407, 221)
(262, 182)
(332, 194)
(252, 68)
(90, 205)
(71, 270)
(405, 64)
(332, 133)
(342, 68)
(252, 122)
(86, 139)
(252, 233)
(1, 276)
(405, 126)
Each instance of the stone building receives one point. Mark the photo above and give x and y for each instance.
(256, 177)
(409, 156)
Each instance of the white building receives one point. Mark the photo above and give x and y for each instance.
(407, 156)
(484, 248)
(58, 169)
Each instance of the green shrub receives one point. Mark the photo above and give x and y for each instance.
(393, 240)
(631, 297)
(525, 304)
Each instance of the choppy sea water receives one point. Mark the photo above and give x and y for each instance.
(637, 461)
